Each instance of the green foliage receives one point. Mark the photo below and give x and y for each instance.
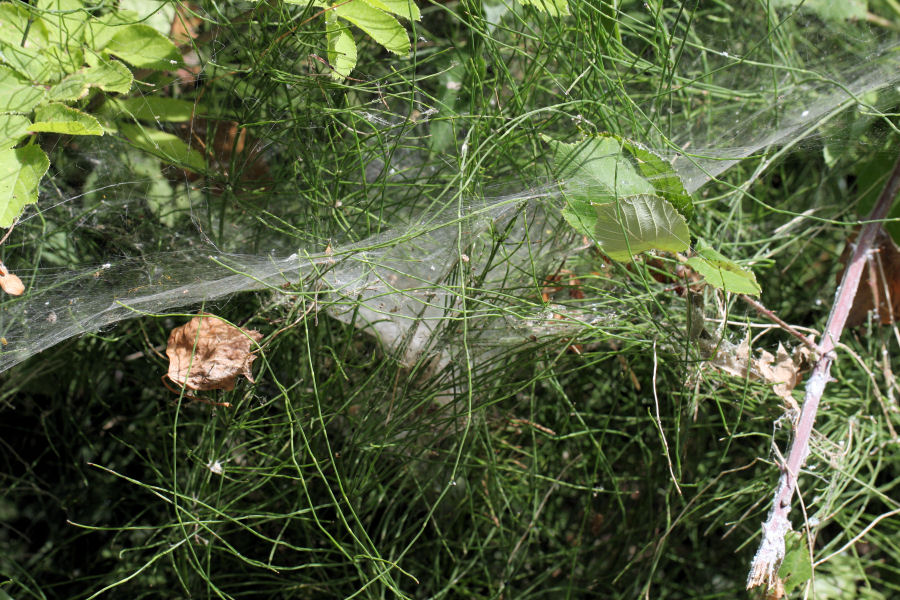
(628, 200)
(618, 194)
(166, 146)
(634, 224)
(721, 272)
(796, 568)
(54, 55)
(21, 169)
(375, 17)
(555, 8)
(828, 10)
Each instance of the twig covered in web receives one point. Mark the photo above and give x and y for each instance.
(764, 568)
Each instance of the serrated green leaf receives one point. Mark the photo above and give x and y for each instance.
(635, 224)
(71, 88)
(595, 170)
(108, 75)
(59, 118)
(796, 568)
(164, 145)
(402, 8)
(143, 47)
(341, 50)
(154, 109)
(21, 170)
(554, 8)
(721, 272)
(12, 129)
(16, 94)
(662, 177)
(379, 25)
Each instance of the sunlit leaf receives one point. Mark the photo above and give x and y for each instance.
(402, 8)
(59, 118)
(379, 25)
(16, 94)
(796, 568)
(635, 224)
(12, 129)
(341, 50)
(17, 21)
(828, 10)
(722, 273)
(21, 170)
(554, 8)
(154, 108)
(143, 47)
(108, 75)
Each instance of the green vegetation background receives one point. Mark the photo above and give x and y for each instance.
(533, 471)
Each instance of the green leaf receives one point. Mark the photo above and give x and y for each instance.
(158, 14)
(661, 176)
(635, 224)
(164, 145)
(12, 129)
(341, 50)
(605, 166)
(17, 95)
(828, 10)
(143, 47)
(554, 8)
(581, 216)
(722, 273)
(402, 8)
(40, 65)
(154, 109)
(379, 25)
(21, 170)
(15, 19)
(65, 20)
(596, 170)
(796, 568)
(108, 75)
(59, 118)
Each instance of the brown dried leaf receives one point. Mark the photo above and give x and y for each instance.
(206, 353)
(879, 287)
(782, 370)
(11, 284)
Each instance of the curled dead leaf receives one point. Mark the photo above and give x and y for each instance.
(879, 287)
(11, 284)
(782, 370)
(206, 353)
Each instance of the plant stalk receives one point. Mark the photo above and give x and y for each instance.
(766, 562)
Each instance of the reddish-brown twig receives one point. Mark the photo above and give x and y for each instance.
(768, 557)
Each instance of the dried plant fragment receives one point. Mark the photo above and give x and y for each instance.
(782, 370)
(206, 353)
(879, 287)
(10, 282)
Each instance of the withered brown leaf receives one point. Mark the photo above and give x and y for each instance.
(879, 287)
(11, 284)
(782, 370)
(206, 353)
